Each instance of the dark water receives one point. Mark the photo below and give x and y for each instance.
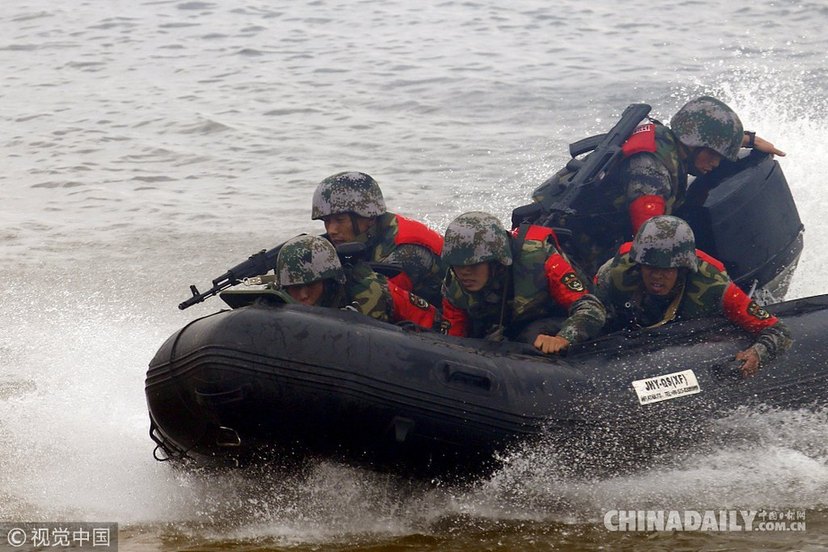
(150, 145)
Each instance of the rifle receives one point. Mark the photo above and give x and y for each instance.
(256, 264)
(594, 168)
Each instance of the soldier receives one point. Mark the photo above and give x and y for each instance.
(517, 285)
(652, 177)
(310, 271)
(702, 133)
(660, 277)
(353, 209)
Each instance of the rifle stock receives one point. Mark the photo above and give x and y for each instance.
(604, 158)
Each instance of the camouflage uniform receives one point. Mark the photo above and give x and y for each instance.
(652, 178)
(529, 280)
(422, 266)
(701, 290)
(359, 194)
(307, 259)
(701, 123)
(658, 173)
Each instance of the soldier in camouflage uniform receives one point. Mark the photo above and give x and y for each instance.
(652, 178)
(661, 277)
(702, 133)
(353, 209)
(310, 271)
(517, 285)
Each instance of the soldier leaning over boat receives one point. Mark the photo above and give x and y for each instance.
(516, 285)
(658, 160)
(660, 277)
(652, 178)
(353, 209)
(309, 270)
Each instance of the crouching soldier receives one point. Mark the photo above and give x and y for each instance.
(518, 284)
(660, 277)
(310, 271)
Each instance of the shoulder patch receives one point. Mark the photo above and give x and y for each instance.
(757, 311)
(418, 301)
(571, 281)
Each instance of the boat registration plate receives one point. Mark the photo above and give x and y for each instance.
(666, 387)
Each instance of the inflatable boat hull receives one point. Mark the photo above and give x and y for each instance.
(293, 382)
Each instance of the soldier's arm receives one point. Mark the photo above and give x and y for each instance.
(647, 186)
(751, 140)
(586, 313)
(587, 316)
(412, 308)
(369, 293)
(772, 335)
(421, 267)
(604, 292)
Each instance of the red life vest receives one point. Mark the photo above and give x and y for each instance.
(416, 233)
(562, 283)
(408, 306)
(412, 232)
(457, 318)
(538, 233)
(642, 139)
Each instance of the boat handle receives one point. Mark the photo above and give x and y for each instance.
(467, 376)
(222, 397)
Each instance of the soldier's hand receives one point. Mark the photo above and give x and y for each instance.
(764, 146)
(550, 343)
(750, 360)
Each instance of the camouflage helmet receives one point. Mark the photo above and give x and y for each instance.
(476, 237)
(348, 192)
(307, 259)
(665, 242)
(709, 123)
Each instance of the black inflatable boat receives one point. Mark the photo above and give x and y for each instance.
(296, 381)
(267, 379)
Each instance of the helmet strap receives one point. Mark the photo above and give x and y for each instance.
(360, 235)
(691, 159)
(505, 291)
(354, 225)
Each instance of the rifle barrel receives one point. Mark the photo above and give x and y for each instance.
(258, 263)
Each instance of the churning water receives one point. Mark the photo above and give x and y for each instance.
(149, 145)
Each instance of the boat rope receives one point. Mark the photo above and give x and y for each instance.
(171, 452)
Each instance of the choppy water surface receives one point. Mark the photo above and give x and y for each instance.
(150, 145)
